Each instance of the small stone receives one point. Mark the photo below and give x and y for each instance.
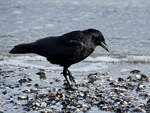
(135, 71)
(119, 90)
(138, 77)
(124, 103)
(63, 96)
(1, 111)
(114, 83)
(120, 79)
(37, 104)
(2, 103)
(29, 84)
(4, 92)
(44, 112)
(18, 103)
(56, 98)
(57, 79)
(107, 73)
(22, 98)
(77, 110)
(42, 75)
(85, 108)
(92, 77)
(24, 80)
(109, 79)
(27, 91)
(33, 90)
(129, 78)
(139, 110)
(36, 85)
(148, 101)
(140, 87)
(144, 77)
(118, 110)
(43, 105)
(50, 82)
(145, 95)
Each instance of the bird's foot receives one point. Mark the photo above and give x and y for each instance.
(72, 79)
(69, 87)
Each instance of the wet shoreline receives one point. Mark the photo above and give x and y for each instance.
(37, 90)
(125, 25)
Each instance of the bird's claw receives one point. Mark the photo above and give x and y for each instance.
(72, 79)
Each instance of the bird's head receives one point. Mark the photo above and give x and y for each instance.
(98, 38)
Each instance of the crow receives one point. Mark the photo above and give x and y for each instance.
(65, 50)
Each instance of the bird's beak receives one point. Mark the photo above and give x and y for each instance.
(104, 45)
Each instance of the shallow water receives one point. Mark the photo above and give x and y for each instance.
(125, 25)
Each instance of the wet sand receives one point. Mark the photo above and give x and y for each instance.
(32, 90)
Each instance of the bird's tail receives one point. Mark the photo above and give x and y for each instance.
(22, 49)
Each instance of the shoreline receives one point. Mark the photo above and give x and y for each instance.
(37, 90)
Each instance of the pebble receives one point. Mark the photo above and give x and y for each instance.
(37, 104)
(34, 90)
(120, 79)
(22, 98)
(36, 85)
(27, 91)
(2, 103)
(44, 112)
(124, 102)
(57, 79)
(42, 75)
(135, 71)
(43, 105)
(24, 80)
(118, 95)
(148, 101)
(140, 87)
(139, 110)
(109, 79)
(114, 83)
(138, 77)
(1, 111)
(92, 77)
(4, 92)
(77, 110)
(145, 77)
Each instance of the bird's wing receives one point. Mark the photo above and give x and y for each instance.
(74, 43)
(74, 39)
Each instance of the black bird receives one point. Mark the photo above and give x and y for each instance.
(65, 50)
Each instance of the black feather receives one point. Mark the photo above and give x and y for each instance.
(64, 50)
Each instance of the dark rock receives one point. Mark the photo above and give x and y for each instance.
(148, 101)
(135, 71)
(144, 77)
(24, 80)
(120, 79)
(4, 92)
(139, 110)
(118, 110)
(42, 75)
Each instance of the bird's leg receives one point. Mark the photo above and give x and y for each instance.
(65, 75)
(71, 78)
